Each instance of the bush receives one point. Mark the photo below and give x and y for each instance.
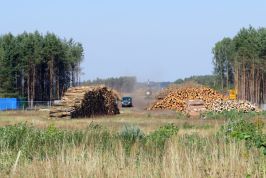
(129, 135)
(158, 138)
(250, 132)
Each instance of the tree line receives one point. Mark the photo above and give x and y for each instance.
(121, 84)
(208, 80)
(38, 67)
(240, 63)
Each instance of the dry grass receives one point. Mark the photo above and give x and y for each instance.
(179, 160)
(147, 121)
(200, 155)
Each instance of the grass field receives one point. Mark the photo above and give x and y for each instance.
(132, 144)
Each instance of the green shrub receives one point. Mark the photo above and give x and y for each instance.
(233, 114)
(129, 135)
(250, 132)
(158, 138)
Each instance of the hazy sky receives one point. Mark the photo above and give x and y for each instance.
(160, 40)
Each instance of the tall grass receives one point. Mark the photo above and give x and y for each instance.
(97, 152)
(233, 114)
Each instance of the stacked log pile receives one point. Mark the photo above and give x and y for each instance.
(243, 106)
(86, 101)
(177, 98)
(173, 87)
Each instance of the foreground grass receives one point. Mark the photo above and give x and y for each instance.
(96, 151)
(209, 160)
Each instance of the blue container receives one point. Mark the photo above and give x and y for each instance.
(8, 104)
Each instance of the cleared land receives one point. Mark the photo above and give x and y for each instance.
(146, 120)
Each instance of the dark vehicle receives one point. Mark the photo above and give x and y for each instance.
(127, 101)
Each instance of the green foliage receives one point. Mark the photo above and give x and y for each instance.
(187, 125)
(207, 80)
(222, 60)
(35, 143)
(250, 132)
(33, 60)
(129, 135)
(193, 141)
(98, 136)
(159, 137)
(240, 61)
(32, 141)
(233, 115)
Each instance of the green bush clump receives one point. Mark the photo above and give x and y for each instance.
(129, 135)
(158, 138)
(250, 132)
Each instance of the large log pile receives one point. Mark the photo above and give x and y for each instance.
(173, 87)
(177, 98)
(86, 101)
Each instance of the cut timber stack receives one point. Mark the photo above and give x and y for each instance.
(173, 87)
(177, 98)
(243, 106)
(86, 101)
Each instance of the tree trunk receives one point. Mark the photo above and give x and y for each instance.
(34, 83)
(73, 75)
(51, 77)
(28, 87)
(252, 87)
(236, 81)
(227, 77)
(244, 82)
(57, 87)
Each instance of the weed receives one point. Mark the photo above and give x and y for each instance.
(98, 136)
(193, 141)
(250, 132)
(129, 135)
(32, 141)
(180, 115)
(158, 138)
(233, 114)
(186, 125)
